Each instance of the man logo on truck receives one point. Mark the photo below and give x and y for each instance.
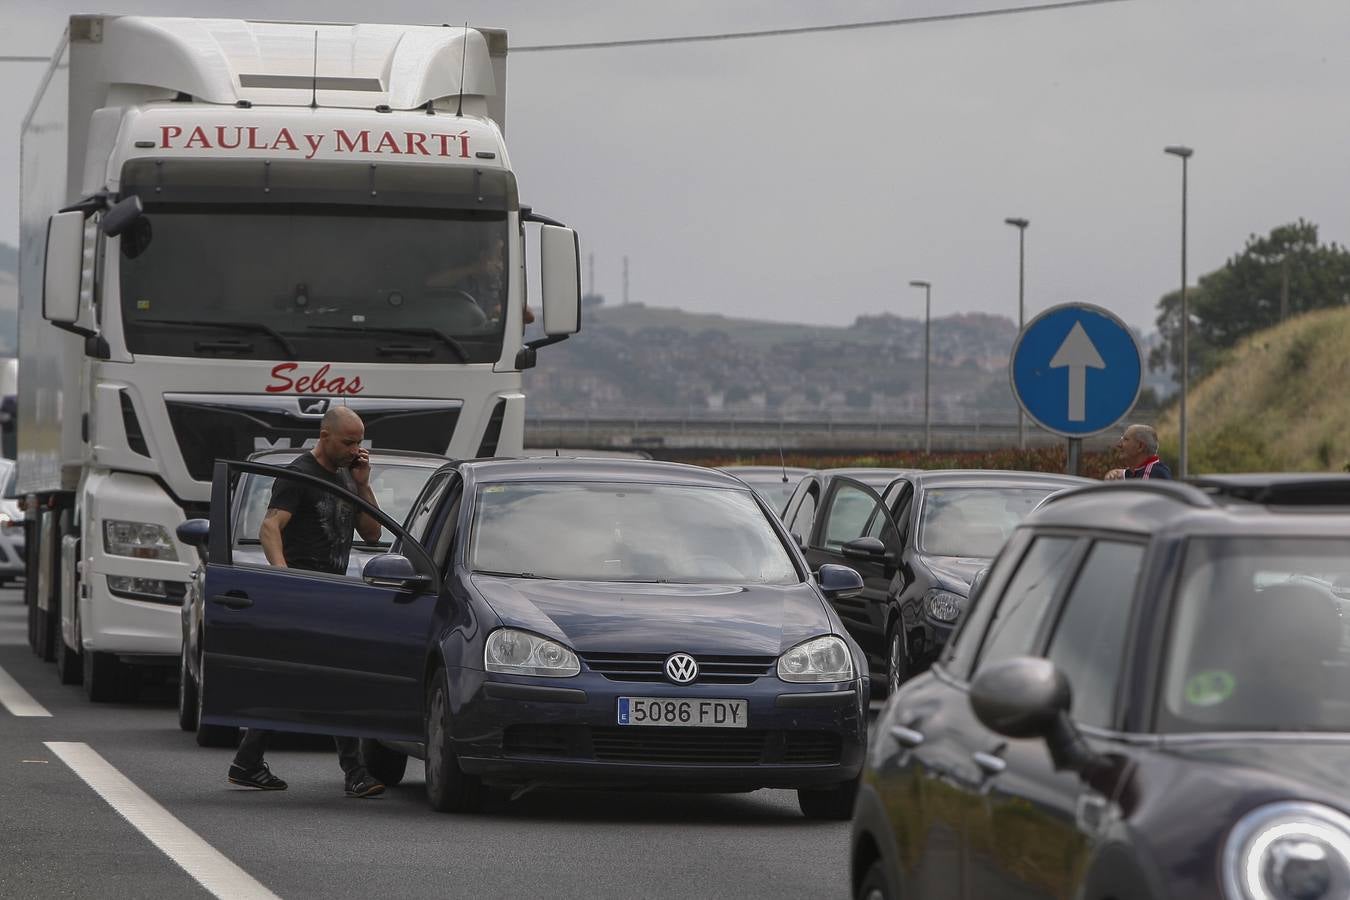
(316, 407)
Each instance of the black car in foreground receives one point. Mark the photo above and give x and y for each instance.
(917, 538)
(553, 622)
(396, 478)
(1150, 697)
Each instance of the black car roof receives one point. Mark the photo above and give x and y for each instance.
(973, 477)
(1230, 504)
(410, 457)
(549, 468)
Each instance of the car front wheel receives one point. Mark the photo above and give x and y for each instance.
(874, 885)
(834, 803)
(187, 692)
(897, 668)
(449, 788)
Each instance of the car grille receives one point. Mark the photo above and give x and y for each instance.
(679, 746)
(651, 667)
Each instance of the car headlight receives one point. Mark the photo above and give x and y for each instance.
(513, 652)
(1288, 851)
(143, 540)
(943, 605)
(819, 659)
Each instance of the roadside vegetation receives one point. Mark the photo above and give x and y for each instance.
(1032, 459)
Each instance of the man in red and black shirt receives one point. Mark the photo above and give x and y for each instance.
(1138, 450)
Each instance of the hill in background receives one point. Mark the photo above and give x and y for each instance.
(1276, 403)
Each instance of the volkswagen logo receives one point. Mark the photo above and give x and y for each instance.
(681, 668)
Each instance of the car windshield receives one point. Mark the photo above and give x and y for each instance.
(395, 487)
(973, 521)
(774, 491)
(8, 472)
(626, 532)
(1260, 637)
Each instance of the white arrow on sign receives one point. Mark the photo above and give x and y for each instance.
(1078, 353)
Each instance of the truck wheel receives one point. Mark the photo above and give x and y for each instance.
(834, 803)
(385, 764)
(104, 677)
(69, 665)
(449, 788)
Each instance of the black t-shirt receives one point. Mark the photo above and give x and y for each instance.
(319, 535)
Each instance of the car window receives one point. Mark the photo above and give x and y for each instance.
(1018, 616)
(626, 531)
(851, 511)
(805, 516)
(973, 521)
(965, 640)
(419, 517)
(1088, 644)
(1259, 639)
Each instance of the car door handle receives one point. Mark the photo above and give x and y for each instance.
(906, 736)
(232, 600)
(989, 763)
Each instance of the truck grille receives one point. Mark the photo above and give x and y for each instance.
(211, 427)
(651, 667)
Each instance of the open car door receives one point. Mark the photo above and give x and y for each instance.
(296, 650)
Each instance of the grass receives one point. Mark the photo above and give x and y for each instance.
(1277, 404)
(1033, 459)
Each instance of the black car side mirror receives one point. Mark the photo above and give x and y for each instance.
(839, 582)
(865, 548)
(395, 571)
(1029, 697)
(195, 533)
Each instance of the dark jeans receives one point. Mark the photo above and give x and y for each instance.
(254, 745)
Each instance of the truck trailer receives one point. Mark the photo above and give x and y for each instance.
(226, 228)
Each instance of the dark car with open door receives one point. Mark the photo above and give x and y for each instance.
(553, 622)
(918, 542)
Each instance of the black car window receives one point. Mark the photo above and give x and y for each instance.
(1020, 610)
(965, 641)
(805, 516)
(1088, 644)
(851, 511)
(419, 517)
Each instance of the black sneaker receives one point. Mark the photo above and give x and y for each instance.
(260, 778)
(365, 786)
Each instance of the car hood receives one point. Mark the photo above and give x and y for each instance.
(758, 620)
(1318, 763)
(954, 573)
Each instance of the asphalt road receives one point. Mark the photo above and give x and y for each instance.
(60, 838)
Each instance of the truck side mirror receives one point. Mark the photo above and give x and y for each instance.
(124, 213)
(560, 280)
(65, 259)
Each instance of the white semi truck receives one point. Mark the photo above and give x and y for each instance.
(227, 227)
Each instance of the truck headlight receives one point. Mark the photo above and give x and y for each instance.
(142, 540)
(512, 652)
(1288, 851)
(944, 606)
(817, 660)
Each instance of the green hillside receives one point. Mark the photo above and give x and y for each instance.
(1277, 403)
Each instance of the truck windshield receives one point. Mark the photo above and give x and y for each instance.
(333, 262)
(309, 282)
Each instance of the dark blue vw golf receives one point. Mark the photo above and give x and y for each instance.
(553, 622)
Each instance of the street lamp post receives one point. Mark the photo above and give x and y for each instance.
(1021, 226)
(927, 361)
(1185, 154)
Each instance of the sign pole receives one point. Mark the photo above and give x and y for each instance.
(1075, 463)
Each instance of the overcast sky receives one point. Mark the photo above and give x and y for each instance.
(810, 178)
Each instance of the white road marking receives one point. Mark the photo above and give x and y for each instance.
(18, 701)
(211, 869)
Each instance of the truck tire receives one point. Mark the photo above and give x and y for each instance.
(384, 764)
(69, 664)
(105, 678)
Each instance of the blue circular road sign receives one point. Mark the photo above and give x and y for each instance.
(1076, 369)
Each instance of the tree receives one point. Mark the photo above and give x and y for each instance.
(1245, 296)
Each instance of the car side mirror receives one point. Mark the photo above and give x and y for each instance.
(1029, 697)
(865, 548)
(839, 582)
(195, 533)
(394, 570)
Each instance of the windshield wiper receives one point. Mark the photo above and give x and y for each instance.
(530, 575)
(392, 329)
(256, 327)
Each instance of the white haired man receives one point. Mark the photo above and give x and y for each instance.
(1137, 449)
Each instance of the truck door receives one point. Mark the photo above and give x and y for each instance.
(295, 650)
